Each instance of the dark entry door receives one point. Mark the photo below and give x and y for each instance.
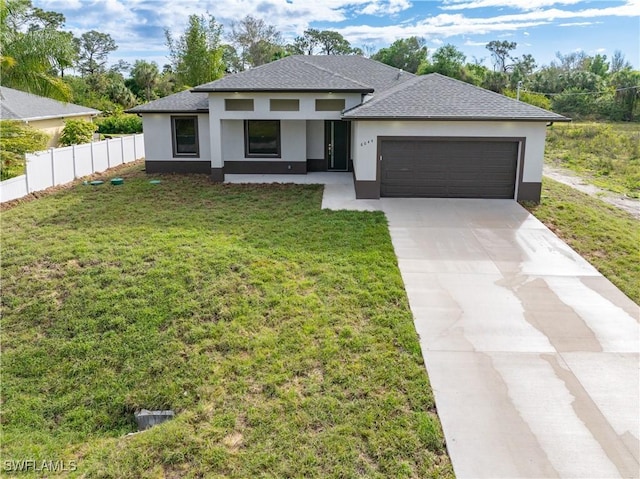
(337, 141)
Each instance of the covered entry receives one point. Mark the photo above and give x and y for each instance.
(448, 168)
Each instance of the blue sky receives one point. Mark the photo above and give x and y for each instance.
(540, 27)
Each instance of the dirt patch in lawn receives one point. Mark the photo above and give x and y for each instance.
(567, 177)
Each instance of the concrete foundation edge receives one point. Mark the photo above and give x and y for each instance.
(367, 190)
(186, 166)
(265, 167)
(217, 175)
(529, 192)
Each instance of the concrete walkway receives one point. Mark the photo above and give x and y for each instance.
(532, 354)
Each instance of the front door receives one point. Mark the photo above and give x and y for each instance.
(337, 141)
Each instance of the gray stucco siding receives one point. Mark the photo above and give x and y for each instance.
(158, 144)
(293, 142)
(315, 139)
(262, 106)
(301, 132)
(365, 135)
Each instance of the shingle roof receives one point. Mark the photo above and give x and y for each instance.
(397, 94)
(20, 105)
(307, 73)
(435, 96)
(372, 73)
(183, 102)
(295, 73)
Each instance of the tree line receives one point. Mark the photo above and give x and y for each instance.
(38, 55)
(575, 84)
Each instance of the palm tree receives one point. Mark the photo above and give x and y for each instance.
(29, 60)
(145, 75)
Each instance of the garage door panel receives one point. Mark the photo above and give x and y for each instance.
(421, 175)
(418, 192)
(458, 169)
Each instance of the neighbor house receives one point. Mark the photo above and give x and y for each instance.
(44, 114)
(400, 134)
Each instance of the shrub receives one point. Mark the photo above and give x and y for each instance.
(608, 107)
(76, 132)
(575, 103)
(535, 99)
(16, 139)
(120, 124)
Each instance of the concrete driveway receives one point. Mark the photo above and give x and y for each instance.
(533, 355)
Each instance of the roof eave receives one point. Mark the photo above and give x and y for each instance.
(141, 112)
(283, 90)
(66, 115)
(449, 118)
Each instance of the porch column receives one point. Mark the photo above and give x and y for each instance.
(217, 165)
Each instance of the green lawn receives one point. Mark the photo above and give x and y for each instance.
(605, 154)
(606, 236)
(278, 332)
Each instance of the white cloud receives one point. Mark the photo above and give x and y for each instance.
(471, 43)
(388, 7)
(57, 5)
(578, 24)
(125, 20)
(441, 26)
(447, 25)
(517, 4)
(137, 25)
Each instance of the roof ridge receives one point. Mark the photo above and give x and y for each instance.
(379, 63)
(389, 67)
(292, 60)
(387, 93)
(318, 67)
(253, 69)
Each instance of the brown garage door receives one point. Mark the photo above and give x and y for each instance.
(448, 169)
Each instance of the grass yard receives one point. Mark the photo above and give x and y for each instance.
(606, 154)
(603, 234)
(278, 332)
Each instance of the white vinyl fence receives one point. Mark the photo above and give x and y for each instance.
(58, 166)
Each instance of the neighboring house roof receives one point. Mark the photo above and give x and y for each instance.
(183, 102)
(297, 73)
(20, 105)
(437, 97)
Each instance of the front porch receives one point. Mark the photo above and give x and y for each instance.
(278, 146)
